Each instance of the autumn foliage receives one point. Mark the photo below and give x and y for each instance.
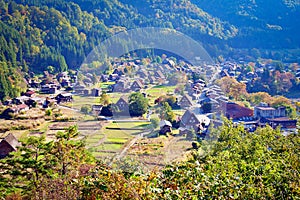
(239, 165)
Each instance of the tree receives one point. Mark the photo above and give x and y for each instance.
(166, 112)
(50, 69)
(154, 122)
(138, 104)
(239, 165)
(104, 99)
(40, 168)
(86, 109)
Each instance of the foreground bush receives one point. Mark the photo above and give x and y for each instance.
(240, 165)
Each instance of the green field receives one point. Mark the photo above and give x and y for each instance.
(114, 139)
(157, 91)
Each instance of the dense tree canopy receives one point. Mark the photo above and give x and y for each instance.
(138, 104)
(239, 165)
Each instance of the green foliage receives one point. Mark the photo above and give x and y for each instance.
(166, 112)
(138, 104)
(240, 165)
(49, 112)
(37, 164)
(154, 122)
(86, 109)
(105, 99)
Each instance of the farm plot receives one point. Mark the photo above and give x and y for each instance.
(114, 138)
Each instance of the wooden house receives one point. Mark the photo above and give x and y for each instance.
(190, 121)
(64, 97)
(8, 143)
(96, 92)
(136, 86)
(186, 101)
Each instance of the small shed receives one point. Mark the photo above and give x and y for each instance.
(165, 127)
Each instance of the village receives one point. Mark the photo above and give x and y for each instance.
(184, 104)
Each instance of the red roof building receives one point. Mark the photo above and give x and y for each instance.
(235, 111)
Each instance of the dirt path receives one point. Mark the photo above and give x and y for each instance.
(121, 154)
(100, 141)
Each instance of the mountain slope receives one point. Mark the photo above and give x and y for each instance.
(261, 23)
(36, 34)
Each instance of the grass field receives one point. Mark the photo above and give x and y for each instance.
(79, 101)
(114, 140)
(157, 91)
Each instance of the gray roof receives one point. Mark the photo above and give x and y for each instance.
(164, 123)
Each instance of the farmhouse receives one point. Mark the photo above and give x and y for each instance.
(234, 111)
(81, 90)
(283, 122)
(8, 143)
(64, 97)
(122, 106)
(96, 92)
(185, 102)
(191, 121)
(49, 89)
(136, 86)
(265, 111)
(120, 86)
(21, 100)
(159, 75)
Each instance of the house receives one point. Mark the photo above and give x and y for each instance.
(64, 97)
(30, 93)
(21, 107)
(265, 111)
(235, 111)
(298, 75)
(49, 89)
(120, 86)
(8, 143)
(136, 86)
(49, 102)
(142, 73)
(190, 121)
(34, 84)
(185, 102)
(209, 105)
(119, 71)
(81, 90)
(97, 109)
(65, 83)
(283, 122)
(35, 101)
(113, 77)
(20, 100)
(159, 75)
(165, 127)
(96, 92)
(152, 79)
(121, 107)
(62, 75)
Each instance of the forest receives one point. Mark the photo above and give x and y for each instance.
(37, 34)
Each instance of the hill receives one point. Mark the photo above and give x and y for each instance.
(261, 23)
